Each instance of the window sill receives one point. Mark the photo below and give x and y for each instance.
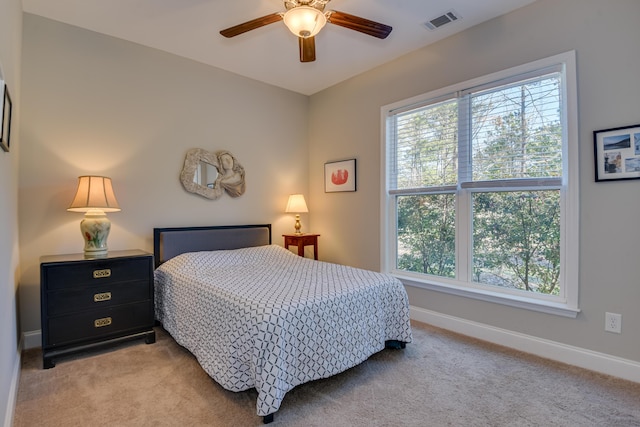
(518, 301)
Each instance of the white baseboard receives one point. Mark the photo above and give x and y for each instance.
(576, 356)
(32, 339)
(13, 391)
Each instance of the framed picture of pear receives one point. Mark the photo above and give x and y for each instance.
(340, 176)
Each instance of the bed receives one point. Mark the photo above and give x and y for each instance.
(256, 315)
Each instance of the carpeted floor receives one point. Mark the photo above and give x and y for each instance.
(441, 379)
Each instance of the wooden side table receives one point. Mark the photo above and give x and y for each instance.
(302, 240)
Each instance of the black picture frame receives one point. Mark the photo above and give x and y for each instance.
(617, 153)
(340, 176)
(7, 106)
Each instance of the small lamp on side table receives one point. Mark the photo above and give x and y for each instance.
(94, 196)
(297, 205)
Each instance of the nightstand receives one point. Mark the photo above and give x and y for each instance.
(91, 302)
(302, 240)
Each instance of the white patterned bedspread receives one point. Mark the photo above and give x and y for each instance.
(264, 317)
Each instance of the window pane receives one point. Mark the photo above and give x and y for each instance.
(516, 240)
(426, 234)
(427, 146)
(516, 131)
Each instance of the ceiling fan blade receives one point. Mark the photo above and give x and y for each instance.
(356, 23)
(307, 49)
(251, 25)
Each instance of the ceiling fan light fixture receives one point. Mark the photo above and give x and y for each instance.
(304, 21)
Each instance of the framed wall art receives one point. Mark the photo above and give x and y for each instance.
(340, 176)
(617, 153)
(6, 119)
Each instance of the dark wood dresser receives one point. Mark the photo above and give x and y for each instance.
(90, 302)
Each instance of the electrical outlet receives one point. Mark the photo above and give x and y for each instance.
(613, 322)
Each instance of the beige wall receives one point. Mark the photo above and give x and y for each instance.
(93, 104)
(10, 41)
(345, 123)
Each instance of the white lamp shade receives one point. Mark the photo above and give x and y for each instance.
(94, 192)
(304, 21)
(94, 196)
(296, 204)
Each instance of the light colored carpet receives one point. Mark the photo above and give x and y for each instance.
(441, 379)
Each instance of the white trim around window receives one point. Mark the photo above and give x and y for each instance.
(565, 305)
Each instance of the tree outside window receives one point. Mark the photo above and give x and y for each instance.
(476, 184)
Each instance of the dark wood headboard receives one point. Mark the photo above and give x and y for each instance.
(170, 242)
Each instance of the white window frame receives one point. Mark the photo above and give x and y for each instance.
(567, 303)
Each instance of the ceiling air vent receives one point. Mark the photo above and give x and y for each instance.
(441, 20)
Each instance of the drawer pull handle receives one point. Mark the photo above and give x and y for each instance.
(99, 323)
(98, 274)
(105, 296)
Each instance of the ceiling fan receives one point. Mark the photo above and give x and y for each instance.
(305, 18)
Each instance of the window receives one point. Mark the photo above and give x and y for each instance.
(481, 194)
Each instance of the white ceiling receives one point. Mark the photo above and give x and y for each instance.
(190, 28)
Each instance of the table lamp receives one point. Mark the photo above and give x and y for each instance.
(297, 205)
(94, 196)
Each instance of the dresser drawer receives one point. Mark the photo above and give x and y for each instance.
(72, 300)
(96, 324)
(96, 272)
